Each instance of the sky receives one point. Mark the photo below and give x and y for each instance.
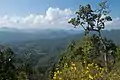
(38, 14)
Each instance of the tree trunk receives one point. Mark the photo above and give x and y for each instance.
(105, 54)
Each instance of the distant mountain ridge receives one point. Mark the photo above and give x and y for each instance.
(8, 35)
(51, 40)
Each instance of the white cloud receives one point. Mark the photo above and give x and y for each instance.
(114, 24)
(53, 18)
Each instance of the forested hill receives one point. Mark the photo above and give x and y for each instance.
(51, 44)
(44, 51)
(113, 35)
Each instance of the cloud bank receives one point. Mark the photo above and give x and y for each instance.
(114, 24)
(53, 18)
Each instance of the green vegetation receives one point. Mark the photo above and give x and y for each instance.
(7, 69)
(94, 57)
(89, 56)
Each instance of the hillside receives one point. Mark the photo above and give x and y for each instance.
(43, 52)
(51, 44)
(51, 47)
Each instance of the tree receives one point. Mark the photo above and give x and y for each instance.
(93, 57)
(7, 68)
(88, 49)
(93, 20)
(82, 60)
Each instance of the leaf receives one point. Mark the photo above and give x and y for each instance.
(71, 20)
(105, 12)
(91, 24)
(108, 18)
(94, 16)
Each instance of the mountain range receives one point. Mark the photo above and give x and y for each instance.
(9, 35)
(45, 46)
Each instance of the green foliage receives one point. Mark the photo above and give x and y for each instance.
(94, 20)
(91, 20)
(89, 49)
(83, 60)
(93, 49)
(7, 68)
(76, 71)
(22, 76)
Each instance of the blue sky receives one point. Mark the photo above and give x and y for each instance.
(23, 7)
(18, 9)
